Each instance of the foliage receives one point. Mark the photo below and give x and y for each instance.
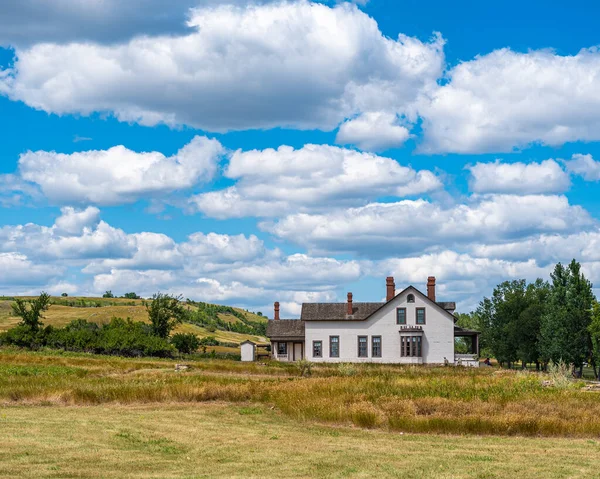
(185, 343)
(564, 333)
(64, 295)
(108, 294)
(210, 341)
(121, 337)
(560, 375)
(594, 331)
(510, 320)
(207, 315)
(165, 312)
(130, 295)
(305, 367)
(30, 311)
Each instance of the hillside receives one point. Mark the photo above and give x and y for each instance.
(225, 324)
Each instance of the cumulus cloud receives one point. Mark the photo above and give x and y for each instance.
(301, 65)
(315, 177)
(519, 178)
(119, 175)
(76, 235)
(506, 100)
(33, 21)
(585, 166)
(19, 271)
(405, 227)
(375, 131)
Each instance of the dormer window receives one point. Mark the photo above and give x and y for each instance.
(410, 298)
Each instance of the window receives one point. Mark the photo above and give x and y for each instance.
(363, 347)
(317, 349)
(410, 298)
(281, 349)
(401, 316)
(411, 346)
(376, 346)
(420, 315)
(334, 346)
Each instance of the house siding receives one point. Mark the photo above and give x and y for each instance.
(438, 334)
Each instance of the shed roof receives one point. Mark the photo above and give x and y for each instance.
(285, 329)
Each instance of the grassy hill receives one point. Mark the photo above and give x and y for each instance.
(101, 310)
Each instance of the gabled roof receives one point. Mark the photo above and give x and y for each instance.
(360, 311)
(285, 329)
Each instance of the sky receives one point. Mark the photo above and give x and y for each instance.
(243, 153)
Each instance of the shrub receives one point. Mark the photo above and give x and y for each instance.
(210, 341)
(185, 343)
(305, 367)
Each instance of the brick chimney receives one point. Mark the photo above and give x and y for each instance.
(431, 288)
(350, 312)
(276, 305)
(390, 288)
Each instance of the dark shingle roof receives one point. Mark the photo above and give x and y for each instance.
(285, 329)
(447, 305)
(337, 311)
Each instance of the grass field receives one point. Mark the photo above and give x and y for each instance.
(59, 316)
(77, 416)
(224, 440)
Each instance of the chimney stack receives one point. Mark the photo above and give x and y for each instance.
(350, 312)
(431, 288)
(390, 288)
(276, 305)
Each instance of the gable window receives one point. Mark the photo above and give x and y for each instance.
(410, 298)
(411, 346)
(363, 347)
(400, 315)
(376, 346)
(334, 346)
(317, 349)
(281, 349)
(420, 315)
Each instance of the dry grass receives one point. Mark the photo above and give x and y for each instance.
(407, 399)
(219, 440)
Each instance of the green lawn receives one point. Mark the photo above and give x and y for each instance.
(222, 440)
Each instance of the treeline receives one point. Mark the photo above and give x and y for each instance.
(207, 315)
(122, 337)
(541, 322)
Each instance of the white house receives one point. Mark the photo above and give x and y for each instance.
(408, 328)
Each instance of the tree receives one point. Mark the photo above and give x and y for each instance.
(64, 295)
(594, 330)
(185, 343)
(108, 294)
(165, 312)
(510, 320)
(564, 332)
(131, 296)
(30, 312)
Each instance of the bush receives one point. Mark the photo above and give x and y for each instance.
(25, 337)
(210, 341)
(185, 343)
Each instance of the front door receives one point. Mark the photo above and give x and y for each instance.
(297, 351)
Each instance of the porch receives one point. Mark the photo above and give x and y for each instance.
(470, 358)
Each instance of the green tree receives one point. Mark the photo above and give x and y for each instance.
(165, 312)
(108, 294)
(594, 330)
(564, 332)
(131, 296)
(31, 311)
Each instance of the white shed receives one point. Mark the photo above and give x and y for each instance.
(248, 351)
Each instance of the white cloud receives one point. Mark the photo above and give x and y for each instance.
(316, 177)
(76, 235)
(585, 166)
(506, 100)
(300, 65)
(19, 271)
(375, 131)
(519, 178)
(405, 227)
(119, 175)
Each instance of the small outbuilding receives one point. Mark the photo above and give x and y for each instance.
(248, 351)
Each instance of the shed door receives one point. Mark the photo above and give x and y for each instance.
(297, 351)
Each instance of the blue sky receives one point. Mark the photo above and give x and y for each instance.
(242, 153)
